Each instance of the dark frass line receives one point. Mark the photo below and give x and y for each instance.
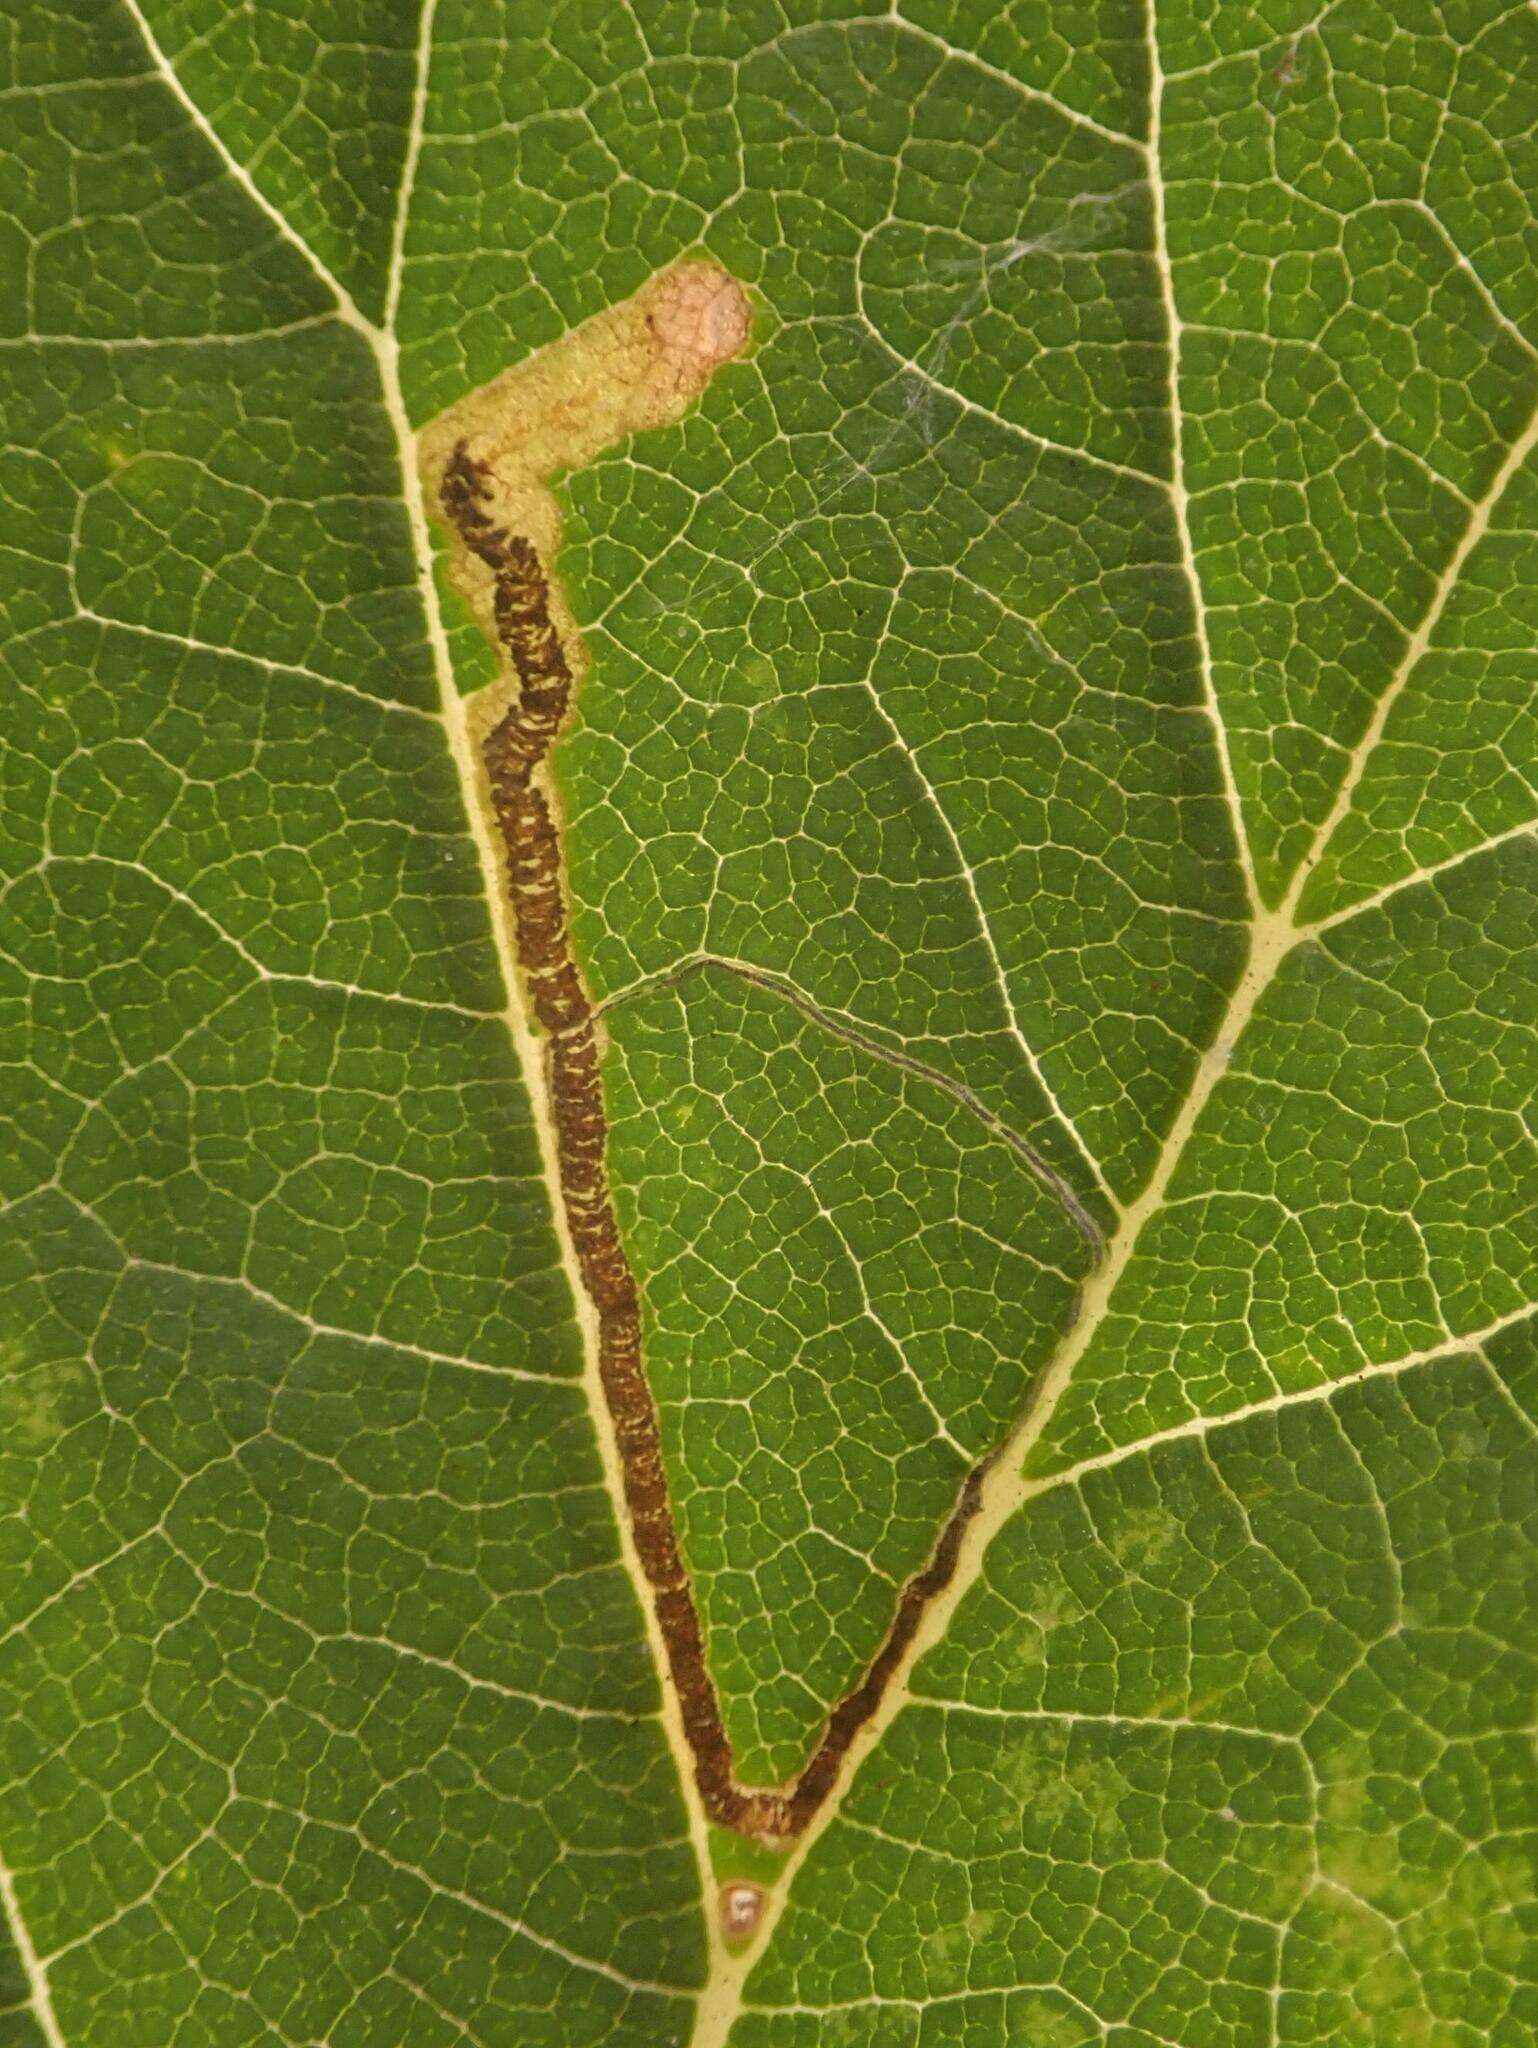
(514, 750)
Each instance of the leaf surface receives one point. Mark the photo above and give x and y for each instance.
(1046, 828)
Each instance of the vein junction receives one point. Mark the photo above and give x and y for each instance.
(514, 752)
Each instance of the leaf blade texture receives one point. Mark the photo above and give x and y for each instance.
(1045, 824)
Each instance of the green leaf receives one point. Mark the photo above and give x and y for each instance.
(1230, 1743)
(926, 1433)
(850, 1280)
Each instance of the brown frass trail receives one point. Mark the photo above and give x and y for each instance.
(514, 751)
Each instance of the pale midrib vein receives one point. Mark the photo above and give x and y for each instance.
(1073, 115)
(396, 271)
(536, 1081)
(167, 72)
(516, 754)
(111, 344)
(264, 975)
(1451, 1349)
(383, 343)
(974, 897)
(1179, 495)
(1004, 1490)
(318, 1330)
(1415, 878)
(32, 1965)
(1187, 1724)
(88, 615)
(1419, 641)
(1275, 934)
